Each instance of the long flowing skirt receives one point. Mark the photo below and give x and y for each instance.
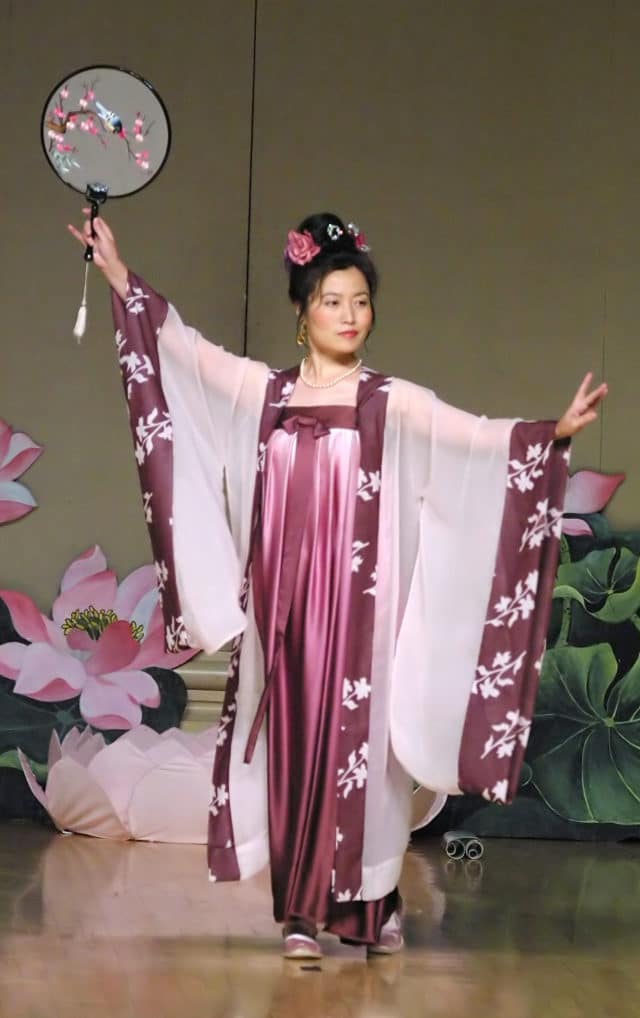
(302, 579)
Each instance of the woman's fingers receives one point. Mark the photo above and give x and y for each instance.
(597, 394)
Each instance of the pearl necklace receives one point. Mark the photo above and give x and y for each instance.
(328, 385)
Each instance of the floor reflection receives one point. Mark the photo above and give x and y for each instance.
(136, 929)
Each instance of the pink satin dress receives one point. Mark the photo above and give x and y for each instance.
(302, 567)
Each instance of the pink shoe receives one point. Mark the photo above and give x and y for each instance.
(391, 940)
(300, 941)
(300, 946)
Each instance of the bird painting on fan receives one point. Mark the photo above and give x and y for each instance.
(93, 118)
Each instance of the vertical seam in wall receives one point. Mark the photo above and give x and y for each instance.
(603, 376)
(245, 336)
(607, 245)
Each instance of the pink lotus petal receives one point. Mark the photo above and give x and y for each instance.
(90, 563)
(54, 635)
(142, 688)
(576, 527)
(79, 640)
(19, 456)
(104, 705)
(48, 674)
(11, 658)
(99, 591)
(132, 591)
(589, 491)
(118, 768)
(75, 802)
(5, 438)
(31, 779)
(115, 649)
(152, 652)
(16, 501)
(25, 617)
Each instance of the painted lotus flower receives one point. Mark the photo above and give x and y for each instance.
(144, 786)
(17, 453)
(587, 492)
(100, 638)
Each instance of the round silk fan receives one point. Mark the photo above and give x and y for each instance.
(106, 134)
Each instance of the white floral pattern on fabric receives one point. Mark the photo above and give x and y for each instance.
(223, 724)
(514, 728)
(489, 682)
(287, 389)
(147, 497)
(219, 800)
(374, 577)
(355, 773)
(176, 634)
(519, 605)
(162, 574)
(545, 522)
(368, 485)
(150, 428)
(354, 692)
(339, 840)
(498, 793)
(134, 301)
(262, 453)
(356, 557)
(524, 475)
(135, 368)
(497, 724)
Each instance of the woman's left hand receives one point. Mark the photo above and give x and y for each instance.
(583, 408)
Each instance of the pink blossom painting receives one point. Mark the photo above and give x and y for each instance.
(17, 453)
(96, 645)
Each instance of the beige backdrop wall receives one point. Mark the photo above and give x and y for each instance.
(488, 150)
(187, 234)
(487, 147)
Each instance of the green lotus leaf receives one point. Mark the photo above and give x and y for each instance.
(605, 582)
(10, 759)
(585, 746)
(28, 725)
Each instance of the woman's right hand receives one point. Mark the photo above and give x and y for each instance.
(105, 252)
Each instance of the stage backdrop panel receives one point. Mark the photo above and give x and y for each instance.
(474, 144)
(187, 233)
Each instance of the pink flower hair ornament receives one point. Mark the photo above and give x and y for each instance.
(301, 247)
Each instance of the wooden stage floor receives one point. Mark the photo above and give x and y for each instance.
(91, 928)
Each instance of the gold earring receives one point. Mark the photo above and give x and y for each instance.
(301, 334)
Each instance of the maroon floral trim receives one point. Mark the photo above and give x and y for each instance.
(351, 778)
(221, 852)
(498, 719)
(138, 320)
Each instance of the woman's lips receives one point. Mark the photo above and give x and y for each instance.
(349, 333)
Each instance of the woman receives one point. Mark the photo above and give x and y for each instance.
(389, 552)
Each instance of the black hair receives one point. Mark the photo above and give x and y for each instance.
(338, 250)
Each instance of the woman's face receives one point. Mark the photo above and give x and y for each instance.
(339, 315)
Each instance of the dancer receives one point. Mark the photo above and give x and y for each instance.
(370, 551)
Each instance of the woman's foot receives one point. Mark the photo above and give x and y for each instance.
(391, 940)
(300, 941)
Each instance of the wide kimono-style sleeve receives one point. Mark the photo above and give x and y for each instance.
(185, 398)
(489, 496)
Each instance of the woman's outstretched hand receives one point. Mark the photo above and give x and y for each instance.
(582, 409)
(105, 251)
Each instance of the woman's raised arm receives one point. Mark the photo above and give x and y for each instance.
(105, 252)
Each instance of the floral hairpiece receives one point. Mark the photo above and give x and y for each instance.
(301, 247)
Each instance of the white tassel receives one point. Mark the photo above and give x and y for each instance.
(81, 317)
(81, 322)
